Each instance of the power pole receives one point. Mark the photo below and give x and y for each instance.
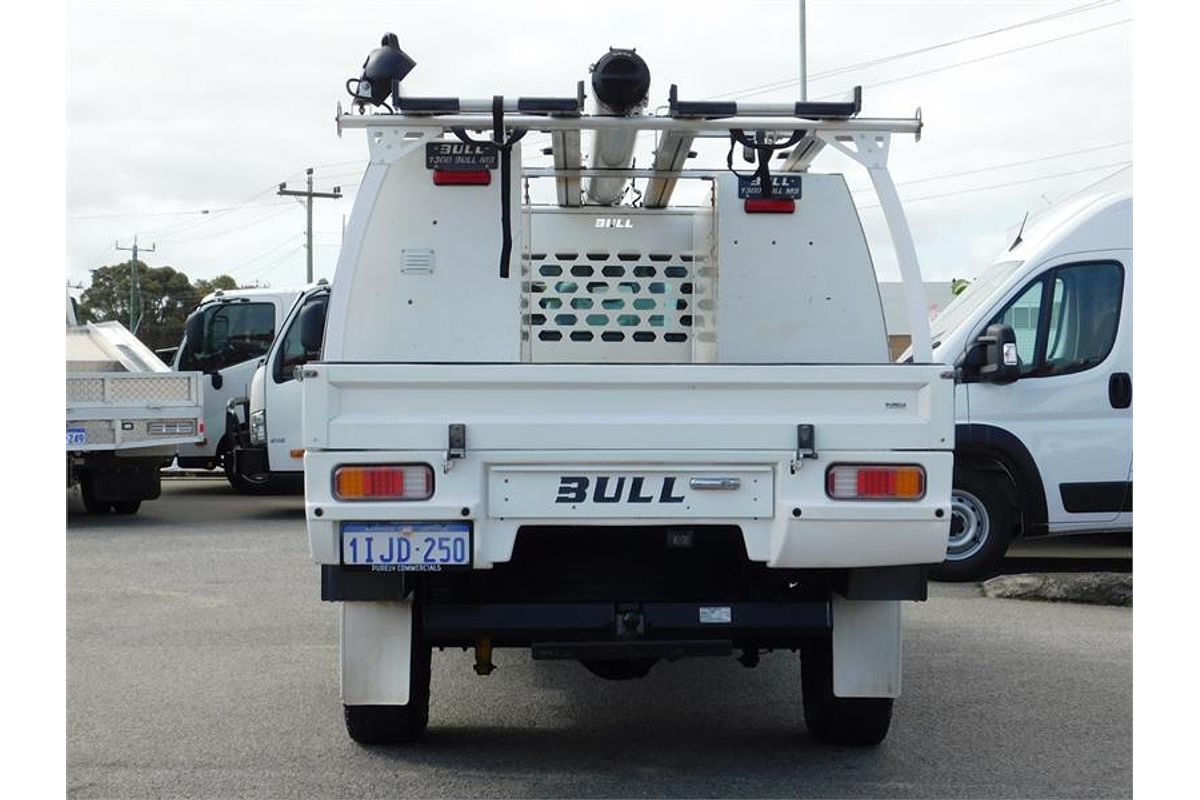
(309, 194)
(135, 291)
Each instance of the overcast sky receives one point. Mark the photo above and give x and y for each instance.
(187, 106)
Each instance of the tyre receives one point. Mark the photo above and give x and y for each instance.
(620, 670)
(397, 724)
(127, 506)
(246, 484)
(860, 721)
(980, 528)
(90, 503)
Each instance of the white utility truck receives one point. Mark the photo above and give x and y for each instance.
(127, 414)
(1047, 448)
(265, 427)
(226, 337)
(620, 432)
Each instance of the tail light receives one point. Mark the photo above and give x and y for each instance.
(450, 177)
(383, 482)
(765, 205)
(875, 482)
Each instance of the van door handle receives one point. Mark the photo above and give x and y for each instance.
(1120, 390)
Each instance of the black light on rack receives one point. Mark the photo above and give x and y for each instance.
(383, 70)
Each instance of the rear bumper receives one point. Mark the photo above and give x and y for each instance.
(799, 528)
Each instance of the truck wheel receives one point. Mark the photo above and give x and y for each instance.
(838, 720)
(980, 528)
(620, 670)
(127, 506)
(397, 724)
(242, 483)
(90, 503)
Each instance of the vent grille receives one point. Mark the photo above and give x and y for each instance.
(622, 306)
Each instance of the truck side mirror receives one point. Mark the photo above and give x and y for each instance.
(312, 327)
(992, 358)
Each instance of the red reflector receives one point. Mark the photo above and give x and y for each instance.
(770, 206)
(447, 177)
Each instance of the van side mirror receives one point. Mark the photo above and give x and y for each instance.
(312, 327)
(991, 358)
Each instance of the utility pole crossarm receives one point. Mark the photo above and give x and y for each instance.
(308, 194)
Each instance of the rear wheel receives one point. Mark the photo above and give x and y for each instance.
(127, 506)
(620, 670)
(838, 720)
(90, 503)
(397, 724)
(980, 528)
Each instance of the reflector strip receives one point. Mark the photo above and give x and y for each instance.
(383, 482)
(770, 206)
(448, 177)
(875, 482)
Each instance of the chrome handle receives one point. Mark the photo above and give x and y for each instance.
(715, 483)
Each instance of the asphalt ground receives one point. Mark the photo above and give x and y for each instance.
(201, 663)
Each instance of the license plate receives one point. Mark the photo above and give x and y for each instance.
(76, 436)
(407, 546)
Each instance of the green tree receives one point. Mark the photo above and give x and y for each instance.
(958, 284)
(168, 296)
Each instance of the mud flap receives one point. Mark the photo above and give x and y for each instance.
(866, 647)
(376, 639)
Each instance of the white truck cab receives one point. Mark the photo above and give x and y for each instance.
(1049, 448)
(614, 428)
(225, 338)
(268, 446)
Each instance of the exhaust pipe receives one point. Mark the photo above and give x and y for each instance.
(621, 86)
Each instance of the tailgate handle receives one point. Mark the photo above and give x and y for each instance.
(715, 483)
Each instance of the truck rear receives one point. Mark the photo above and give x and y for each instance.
(127, 414)
(618, 432)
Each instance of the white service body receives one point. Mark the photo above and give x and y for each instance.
(705, 374)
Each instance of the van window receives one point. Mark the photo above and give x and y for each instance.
(1066, 320)
(233, 333)
(291, 352)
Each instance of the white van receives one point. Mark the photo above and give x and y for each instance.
(225, 338)
(1048, 448)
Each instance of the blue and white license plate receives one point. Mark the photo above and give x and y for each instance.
(76, 436)
(407, 546)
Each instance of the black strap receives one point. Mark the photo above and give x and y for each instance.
(763, 152)
(504, 148)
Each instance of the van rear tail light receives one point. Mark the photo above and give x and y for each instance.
(383, 482)
(875, 482)
(450, 177)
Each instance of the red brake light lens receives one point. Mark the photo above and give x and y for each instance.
(784, 205)
(383, 482)
(450, 177)
(875, 482)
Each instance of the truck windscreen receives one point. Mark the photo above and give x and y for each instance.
(232, 333)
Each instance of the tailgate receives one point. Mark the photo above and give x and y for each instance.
(548, 407)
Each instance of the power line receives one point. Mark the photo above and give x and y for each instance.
(829, 73)
(1004, 166)
(990, 56)
(910, 200)
(234, 270)
(227, 231)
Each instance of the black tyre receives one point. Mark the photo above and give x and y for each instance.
(397, 724)
(246, 484)
(980, 527)
(860, 721)
(620, 670)
(90, 503)
(127, 506)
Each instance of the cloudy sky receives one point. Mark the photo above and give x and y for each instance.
(178, 108)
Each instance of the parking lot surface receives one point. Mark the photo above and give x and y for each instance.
(201, 663)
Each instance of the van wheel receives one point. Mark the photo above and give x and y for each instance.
(90, 503)
(242, 483)
(980, 528)
(127, 506)
(860, 721)
(397, 724)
